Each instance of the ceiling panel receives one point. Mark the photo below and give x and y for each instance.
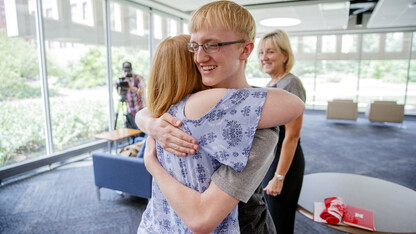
(191, 5)
(315, 15)
(393, 13)
(184, 5)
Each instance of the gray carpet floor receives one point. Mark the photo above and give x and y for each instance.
(63, 200)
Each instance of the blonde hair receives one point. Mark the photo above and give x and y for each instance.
(227, 15)
(279, 39)
(173, 75)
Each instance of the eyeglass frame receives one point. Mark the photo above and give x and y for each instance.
(204, 45)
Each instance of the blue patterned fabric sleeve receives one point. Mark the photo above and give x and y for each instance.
(230, 126)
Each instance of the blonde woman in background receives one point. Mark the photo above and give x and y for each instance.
(283, 181)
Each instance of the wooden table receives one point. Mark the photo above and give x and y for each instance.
(394, 205)
(116, 135)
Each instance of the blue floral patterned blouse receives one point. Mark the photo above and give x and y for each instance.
(225, 135)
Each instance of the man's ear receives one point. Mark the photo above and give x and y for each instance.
(247, 49)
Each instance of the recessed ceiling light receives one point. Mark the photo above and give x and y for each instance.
(280, 22)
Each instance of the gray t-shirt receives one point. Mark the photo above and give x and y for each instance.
(253, 215)
(242, 185)
(292, 84)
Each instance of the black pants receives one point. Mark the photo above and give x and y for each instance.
(131, 123)
(254, 217)
(283, 207)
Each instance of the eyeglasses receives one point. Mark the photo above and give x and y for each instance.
(209, 47)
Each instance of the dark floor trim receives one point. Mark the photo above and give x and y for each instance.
(18, 168)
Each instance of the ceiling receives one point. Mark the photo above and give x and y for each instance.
(315, 15)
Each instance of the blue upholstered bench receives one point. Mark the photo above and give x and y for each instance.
(125, 174)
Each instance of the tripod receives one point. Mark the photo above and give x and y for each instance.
(121, 108)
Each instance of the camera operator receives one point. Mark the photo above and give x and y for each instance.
(131, 88)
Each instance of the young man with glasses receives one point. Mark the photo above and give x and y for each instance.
(226, 32)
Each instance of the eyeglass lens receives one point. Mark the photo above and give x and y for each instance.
(209, 47)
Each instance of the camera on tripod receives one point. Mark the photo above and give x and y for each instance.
(123, 86)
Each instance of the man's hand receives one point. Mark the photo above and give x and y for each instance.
(165, 130)
(131, 87)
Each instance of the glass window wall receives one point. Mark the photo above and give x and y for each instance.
(82, 12)
(394, 42)
(164, 26)
(185, 27)
(130, 44)
(411, 87)
(336, 79)
(309, 44)
(349, 43)
(382, 80)
(22, 128)
(76, 70)
(329, 44)
(76, 73)
(384, 74)
(371, 43)
(362, 67)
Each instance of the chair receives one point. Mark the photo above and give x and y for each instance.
(385, 111)
(125, 174)
(345, 109)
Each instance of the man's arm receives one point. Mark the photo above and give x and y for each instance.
(280, 103)
(201, 212)
(165, 130)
